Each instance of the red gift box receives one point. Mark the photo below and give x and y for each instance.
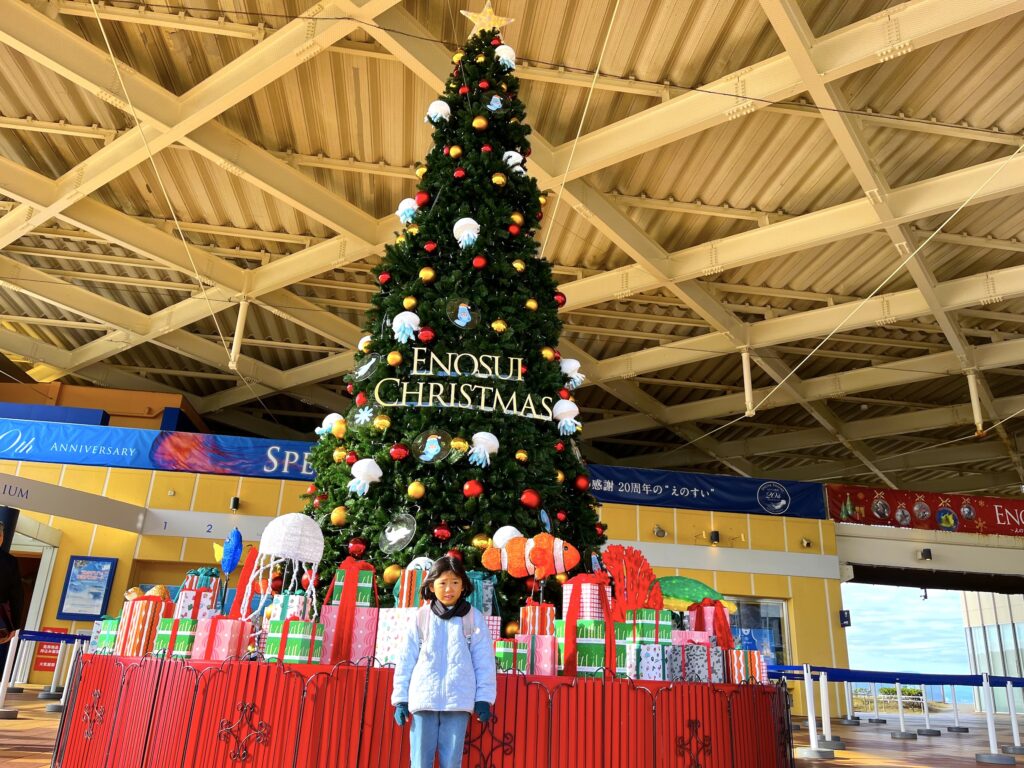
(571, 613)
(221, 638)
(537, 618)
(710, 616)
(139, 619)
(494, 625)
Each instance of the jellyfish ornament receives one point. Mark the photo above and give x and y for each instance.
(565, 412)
(407, 210)
(571, 371)
(466, 232)
(405, 326)
(295, 543)
(485, 445)
(365, 473)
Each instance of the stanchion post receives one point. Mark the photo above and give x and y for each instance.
(851, 716)
(815, 749)
(16, 685)
(902, 734)
(53, 694)
(927, 730)
(827, 741)
(956, 727)
(993, 756)
(1015, 748)
(5, 676)
(874, 701)
(76, 650)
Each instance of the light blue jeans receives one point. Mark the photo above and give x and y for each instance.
(441, 732)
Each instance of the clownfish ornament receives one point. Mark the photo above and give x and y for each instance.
(541, 556)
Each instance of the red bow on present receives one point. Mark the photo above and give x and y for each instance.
(720, 628)
(572, 615)
(347, 604)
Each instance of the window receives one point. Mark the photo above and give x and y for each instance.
(761, 625)
(1009, 650)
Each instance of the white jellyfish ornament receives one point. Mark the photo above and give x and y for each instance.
(485, 445)
(327, 424)
(438, 111)
(565, 412)
(466, 231)
(405, 326)
(365, 473)
(295, 543)
(422, 563)
(406, 210)
(506, 56)
(512, 158)
(571, 371)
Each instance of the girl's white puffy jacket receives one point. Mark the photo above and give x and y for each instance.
(445, 673)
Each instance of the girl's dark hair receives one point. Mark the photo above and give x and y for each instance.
(444, 565)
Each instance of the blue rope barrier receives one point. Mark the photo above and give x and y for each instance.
(51, 637)
(838, 675)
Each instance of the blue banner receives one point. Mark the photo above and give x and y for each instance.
(714, 493)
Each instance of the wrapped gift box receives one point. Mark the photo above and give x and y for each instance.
(673, 655)
(537, 618)
(136, 631)
(594, 593)
(107, 636)
(359, 573)
(703, 664)
(684, 636)
(540, 652)
(393, 627)
(294, 641)
(650, 625)
(290, 605)
(483, 598)
(746, 667)
(361, 632)
(590, 646)
(494, 625)
(220, 638)
(408, 588)
(176, 636)
(201, 578)
(701, 617)
(509, 656)
(197, 603)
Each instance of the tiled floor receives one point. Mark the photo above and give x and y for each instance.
(28, 741)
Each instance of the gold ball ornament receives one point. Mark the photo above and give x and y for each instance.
(421, 171)
(428, 275)
(381, 421)
(499, 326)
(512, 629)
(543, 199)
(499, 179)
(413, 229)
(457, 57)
(522, 456)
(400, 239)
(547, 353)
(559, 476)
(392, 574)
(480, 58)
(339, 515)
(394, 357)
(455, 152)
(517, 218)
(519, 265)
(339, 429)
(561, 578)
(480, 123)
(410, 302)
(416, 490)
(531, 304)
(338, 455)
(481, 541)
(460, 444)
(365, 344)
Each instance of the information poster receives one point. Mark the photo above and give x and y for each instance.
(46, 653)
(86, 588)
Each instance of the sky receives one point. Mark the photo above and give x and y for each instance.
(894, 630)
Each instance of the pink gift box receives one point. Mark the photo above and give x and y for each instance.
(494, 625)
(684, 636)
(541, 653)
(363, 633)
(198, 603)
(591, 600)
(219, 638)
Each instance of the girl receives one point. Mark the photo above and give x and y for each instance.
(446, 669)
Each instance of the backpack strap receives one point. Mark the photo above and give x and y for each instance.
(468, 625)
(423, 622)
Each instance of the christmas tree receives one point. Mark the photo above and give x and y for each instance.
(463, 418)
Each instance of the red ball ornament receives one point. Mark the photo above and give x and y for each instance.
(559, 446)
(384, 278)
(357, 546)
(361, 399)
(307, 576)
(472, 488)
(463, 90)
(454, 554)
(318, 501)
(561, 516)
(530, 499)
(422, 198)
(486, 148)
(351, 458)
(442, 532)
(530, 583)
(558, 355)
(495, 41)
(276, 584)
(459, 173)
(479, 262)
(426, 334)
(513, 229)
(484, 85)
(581, 483)
(311, 489)
(522, 370)
(430, 246)
(350, 388)
(399, 451)
(559, 298)
(446, 149)
(540, 215)
(599, 529)
(564, 393)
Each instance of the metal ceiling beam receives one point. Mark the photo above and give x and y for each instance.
(141, 15)
(864, 44)
(980, 483)
(257, 426)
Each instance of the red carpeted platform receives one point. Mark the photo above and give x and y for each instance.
(153, 713)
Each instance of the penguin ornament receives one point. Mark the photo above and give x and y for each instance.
(540, 556)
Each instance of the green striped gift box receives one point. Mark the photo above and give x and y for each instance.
(652, 626)
(510, 655)
(184, 637)
(107, 636)
(303, 644)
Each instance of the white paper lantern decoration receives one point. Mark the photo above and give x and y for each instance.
(506, 56)
(406, 210)
(438, 111)
(294, 541)
(466, 231)
(405, 326)
(365, 473)
(485, 445)
(571, 370)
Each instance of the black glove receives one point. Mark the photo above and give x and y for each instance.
(482, 710)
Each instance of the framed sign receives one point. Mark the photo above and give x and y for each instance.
(87, 587)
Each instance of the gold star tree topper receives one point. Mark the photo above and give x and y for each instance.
(486, 19)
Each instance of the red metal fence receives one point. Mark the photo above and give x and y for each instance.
(154, 713)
